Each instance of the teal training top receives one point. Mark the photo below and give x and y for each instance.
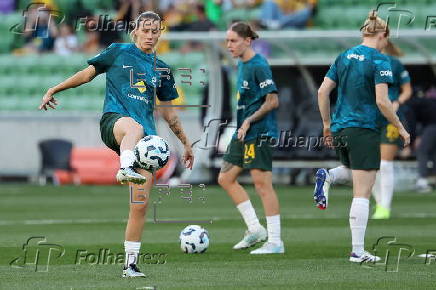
(254, 83)
(356, 72)
(131, 79)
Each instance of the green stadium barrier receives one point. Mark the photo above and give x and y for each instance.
(25, 79)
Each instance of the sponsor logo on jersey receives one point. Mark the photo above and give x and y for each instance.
(139, 98)
(266, 83)
(142, 87)
(359, 57)
(386, 73)
(241, 107)
(405, 74)
(245, 85)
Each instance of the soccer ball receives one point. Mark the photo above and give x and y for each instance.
(194, 239)
(152, 153)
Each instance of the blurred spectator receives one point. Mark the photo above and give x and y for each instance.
(240, 10)
(128, 10)
(276, 14)
(165, 5)
(173, 16)
(247, 4)
(91, 44)
(77, 12)
(66, 43)
(202, 23)
(7, 6)
(213, 10)
(40, 30)
(422, 111)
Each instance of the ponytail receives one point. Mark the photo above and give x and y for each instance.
(393, 50)
(374, 24)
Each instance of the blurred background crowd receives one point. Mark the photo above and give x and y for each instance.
(74, 26)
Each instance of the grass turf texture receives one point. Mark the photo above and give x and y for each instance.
(317, 242)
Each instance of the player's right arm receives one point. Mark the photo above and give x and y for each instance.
(324, 91)
(80, 78)
(327, 86)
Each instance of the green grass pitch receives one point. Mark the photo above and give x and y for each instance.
(90, 218)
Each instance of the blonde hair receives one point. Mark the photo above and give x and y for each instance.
(373, 25)
(393, 50)
(147, 15)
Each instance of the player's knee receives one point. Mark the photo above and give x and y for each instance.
(262, 187)
(224, 180)
(137, 130)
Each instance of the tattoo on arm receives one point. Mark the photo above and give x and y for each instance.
(176, 127)
(226, 166)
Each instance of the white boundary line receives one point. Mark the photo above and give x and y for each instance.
(106, 221)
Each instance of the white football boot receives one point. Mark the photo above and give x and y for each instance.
(129, 174)
(252, 238)
(132, 271)
(365, 257)
(270, 248)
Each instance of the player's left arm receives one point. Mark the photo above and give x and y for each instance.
(271, 102)
(170, 116)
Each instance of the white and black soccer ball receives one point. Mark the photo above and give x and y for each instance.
(152, 153)
(194, 239)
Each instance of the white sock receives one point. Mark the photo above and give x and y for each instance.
(132, 252)
(127, 158)
(386, 183)
(359, 212)
(376, 189)
(340, 174)
(249, 215)
(273, 226)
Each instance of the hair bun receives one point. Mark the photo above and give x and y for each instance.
(372, 15)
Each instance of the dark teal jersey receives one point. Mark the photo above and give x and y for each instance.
(400, 76)
(356, 72)
(131, 79)
(254, 83)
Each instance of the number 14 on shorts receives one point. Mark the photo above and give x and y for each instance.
(249, 152)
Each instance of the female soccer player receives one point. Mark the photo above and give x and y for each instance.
(361, 75)
(132, 74)
(390, 140)
(250, 148)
